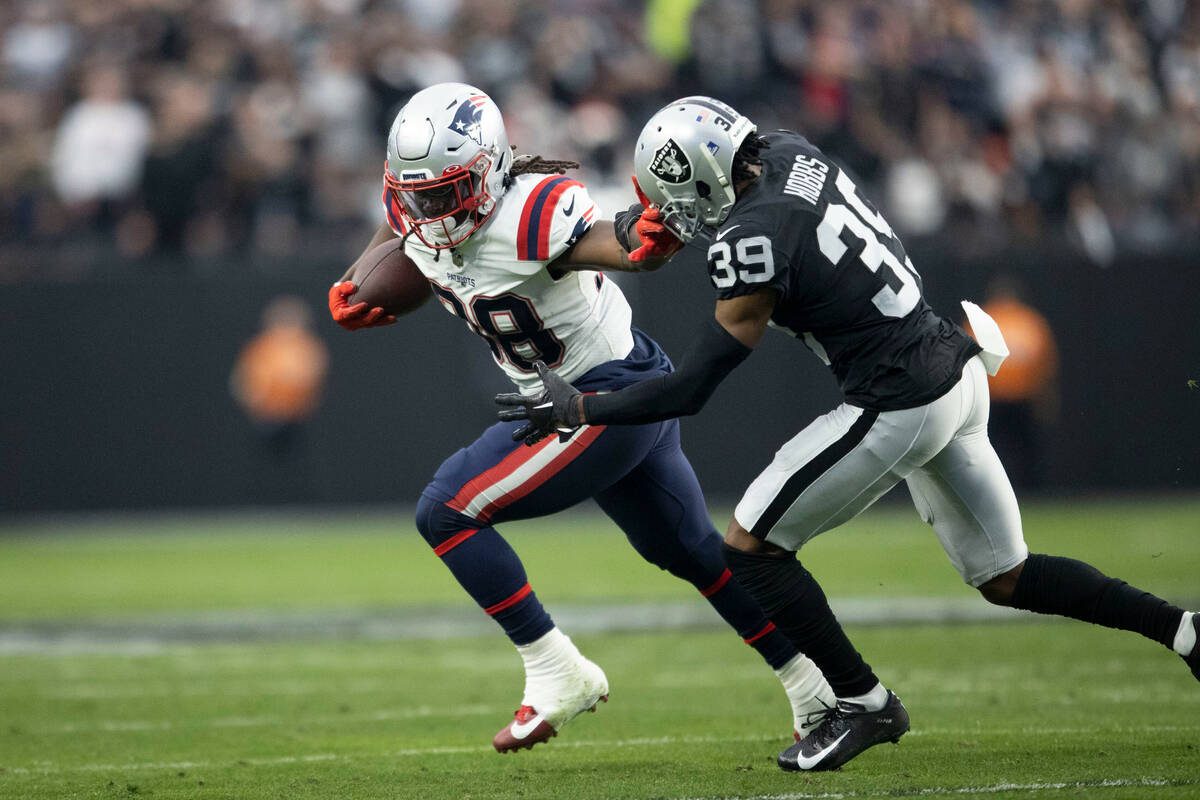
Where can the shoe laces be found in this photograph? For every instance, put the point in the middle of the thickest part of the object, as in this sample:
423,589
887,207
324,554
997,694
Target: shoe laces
524,714
813,717
836,721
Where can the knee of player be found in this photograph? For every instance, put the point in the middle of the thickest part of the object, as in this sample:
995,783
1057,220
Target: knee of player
999,590
739,538
437,522
426,511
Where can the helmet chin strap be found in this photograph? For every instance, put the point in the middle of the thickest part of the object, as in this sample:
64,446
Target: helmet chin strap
443,232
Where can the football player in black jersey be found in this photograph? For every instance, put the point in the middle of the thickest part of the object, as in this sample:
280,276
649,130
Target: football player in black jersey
793,244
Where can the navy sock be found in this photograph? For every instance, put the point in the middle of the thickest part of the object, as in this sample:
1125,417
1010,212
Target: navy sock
487,567
737,607
794,601
1070,588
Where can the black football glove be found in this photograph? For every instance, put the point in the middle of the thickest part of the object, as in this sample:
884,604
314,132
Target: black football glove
555,409
623,222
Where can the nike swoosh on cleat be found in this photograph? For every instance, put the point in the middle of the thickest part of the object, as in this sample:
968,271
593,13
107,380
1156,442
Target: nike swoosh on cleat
808,762
727,230
520,730
570,207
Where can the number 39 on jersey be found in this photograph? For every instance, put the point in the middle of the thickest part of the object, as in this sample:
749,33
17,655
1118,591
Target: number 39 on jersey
850,235
749,260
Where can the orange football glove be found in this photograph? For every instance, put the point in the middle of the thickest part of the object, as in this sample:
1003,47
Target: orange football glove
657,240
354,317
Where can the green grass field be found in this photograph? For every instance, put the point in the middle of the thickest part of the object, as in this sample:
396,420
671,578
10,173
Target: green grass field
1000,709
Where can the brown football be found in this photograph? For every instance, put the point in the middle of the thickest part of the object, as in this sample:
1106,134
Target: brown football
384,276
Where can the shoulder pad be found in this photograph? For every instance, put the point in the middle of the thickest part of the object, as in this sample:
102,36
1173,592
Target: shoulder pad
556,212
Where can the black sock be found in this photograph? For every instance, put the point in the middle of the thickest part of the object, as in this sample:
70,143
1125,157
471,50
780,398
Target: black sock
793,600
1070,588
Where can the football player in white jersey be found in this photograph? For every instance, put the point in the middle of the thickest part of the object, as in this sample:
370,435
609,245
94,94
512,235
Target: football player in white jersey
515,252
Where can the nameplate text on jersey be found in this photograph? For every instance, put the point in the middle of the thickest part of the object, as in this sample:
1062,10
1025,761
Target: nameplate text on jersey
806,178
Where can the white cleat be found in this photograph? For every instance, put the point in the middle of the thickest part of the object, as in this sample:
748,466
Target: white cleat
552,703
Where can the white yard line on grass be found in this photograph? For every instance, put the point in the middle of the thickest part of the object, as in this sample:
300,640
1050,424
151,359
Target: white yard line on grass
425,712
154,634
126,689
48,767
118,726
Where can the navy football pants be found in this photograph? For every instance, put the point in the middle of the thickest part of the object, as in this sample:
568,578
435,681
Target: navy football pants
638,475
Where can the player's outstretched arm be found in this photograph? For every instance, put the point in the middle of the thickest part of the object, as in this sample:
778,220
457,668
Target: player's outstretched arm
722,344
635,241
358,316
599,248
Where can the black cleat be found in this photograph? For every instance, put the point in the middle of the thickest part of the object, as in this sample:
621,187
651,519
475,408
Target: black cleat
1193,658
847,731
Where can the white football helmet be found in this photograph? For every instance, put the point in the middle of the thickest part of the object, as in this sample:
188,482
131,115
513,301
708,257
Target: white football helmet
683,161
447,163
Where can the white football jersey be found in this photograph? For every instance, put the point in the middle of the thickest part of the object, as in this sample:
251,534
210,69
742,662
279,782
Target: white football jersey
497,282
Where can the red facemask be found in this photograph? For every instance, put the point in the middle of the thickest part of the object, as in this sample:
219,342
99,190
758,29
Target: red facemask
436,209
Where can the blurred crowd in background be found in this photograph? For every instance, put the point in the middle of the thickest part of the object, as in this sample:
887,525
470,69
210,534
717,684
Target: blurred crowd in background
190,132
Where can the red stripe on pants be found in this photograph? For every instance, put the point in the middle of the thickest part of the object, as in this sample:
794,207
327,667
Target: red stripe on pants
507,466
573,450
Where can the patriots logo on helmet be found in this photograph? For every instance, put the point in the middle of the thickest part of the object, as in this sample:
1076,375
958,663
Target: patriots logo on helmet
468,119
671,164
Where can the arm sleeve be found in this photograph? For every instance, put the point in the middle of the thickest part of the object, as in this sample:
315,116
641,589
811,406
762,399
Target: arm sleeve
712,356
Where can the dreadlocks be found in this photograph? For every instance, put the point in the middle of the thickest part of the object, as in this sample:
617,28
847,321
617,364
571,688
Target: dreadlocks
747,158
525,165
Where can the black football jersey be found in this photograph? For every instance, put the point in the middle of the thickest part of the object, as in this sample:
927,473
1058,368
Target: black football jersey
846,287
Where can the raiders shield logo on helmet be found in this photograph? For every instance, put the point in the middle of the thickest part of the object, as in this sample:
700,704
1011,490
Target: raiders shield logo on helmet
671,164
